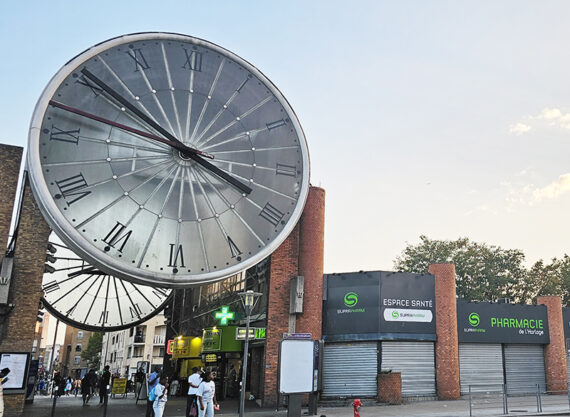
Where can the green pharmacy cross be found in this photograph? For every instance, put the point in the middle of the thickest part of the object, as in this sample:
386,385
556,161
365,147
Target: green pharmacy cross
224,315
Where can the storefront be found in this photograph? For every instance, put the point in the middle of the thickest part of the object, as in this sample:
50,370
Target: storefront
501,344
378,321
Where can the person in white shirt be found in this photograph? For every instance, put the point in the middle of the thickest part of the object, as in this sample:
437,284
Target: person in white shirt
160,397
3,379
207,395
193,384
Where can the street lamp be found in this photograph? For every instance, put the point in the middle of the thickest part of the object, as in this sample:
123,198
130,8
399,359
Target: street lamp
248,299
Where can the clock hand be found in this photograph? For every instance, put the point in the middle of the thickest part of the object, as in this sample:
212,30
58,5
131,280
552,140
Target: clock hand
195,155
89,271
177,145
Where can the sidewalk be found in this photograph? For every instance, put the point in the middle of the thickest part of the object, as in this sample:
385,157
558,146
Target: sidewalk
126,407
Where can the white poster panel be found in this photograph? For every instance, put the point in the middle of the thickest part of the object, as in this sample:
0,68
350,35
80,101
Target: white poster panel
296,366
18,365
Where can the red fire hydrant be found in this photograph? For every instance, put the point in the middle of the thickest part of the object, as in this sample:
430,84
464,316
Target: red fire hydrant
356,404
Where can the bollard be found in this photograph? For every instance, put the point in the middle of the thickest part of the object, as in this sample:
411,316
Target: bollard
539,397
470,409
505,403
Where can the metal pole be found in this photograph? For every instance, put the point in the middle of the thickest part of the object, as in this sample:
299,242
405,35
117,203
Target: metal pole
105,401
539,398
54,400
505,404
52,359
470,408
244,365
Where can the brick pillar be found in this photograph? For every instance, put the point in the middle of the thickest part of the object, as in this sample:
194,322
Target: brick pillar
284,265
10,160
555,352
25,289
446,347
311,258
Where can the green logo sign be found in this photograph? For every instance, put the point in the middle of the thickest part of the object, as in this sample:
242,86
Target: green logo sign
474,319
224,315
395,314
350,299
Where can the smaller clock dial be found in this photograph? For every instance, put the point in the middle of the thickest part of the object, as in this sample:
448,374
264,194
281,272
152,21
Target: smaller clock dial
85,297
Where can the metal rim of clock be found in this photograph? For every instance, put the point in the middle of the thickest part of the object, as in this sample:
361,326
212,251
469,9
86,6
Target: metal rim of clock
83,326
73,238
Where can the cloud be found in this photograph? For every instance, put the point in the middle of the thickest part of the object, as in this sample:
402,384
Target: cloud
519,128
554,189
549,116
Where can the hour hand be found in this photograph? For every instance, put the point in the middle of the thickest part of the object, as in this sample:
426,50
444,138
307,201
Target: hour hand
86,271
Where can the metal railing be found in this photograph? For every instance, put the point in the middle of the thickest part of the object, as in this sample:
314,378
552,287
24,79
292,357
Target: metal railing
485,399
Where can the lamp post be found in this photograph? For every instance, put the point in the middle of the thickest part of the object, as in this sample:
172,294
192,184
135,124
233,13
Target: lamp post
248,299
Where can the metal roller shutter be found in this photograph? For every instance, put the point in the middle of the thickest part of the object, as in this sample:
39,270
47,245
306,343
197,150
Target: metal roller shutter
416,362
481,366
350,370
524,368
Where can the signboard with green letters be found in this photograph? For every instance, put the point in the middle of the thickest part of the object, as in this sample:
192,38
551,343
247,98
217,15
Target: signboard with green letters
501,323
220,339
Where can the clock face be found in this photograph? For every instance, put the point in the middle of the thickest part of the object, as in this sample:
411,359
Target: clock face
88,298
167,160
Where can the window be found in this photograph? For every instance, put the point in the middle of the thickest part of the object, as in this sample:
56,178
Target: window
79,335
78,347
161,352
129,353
131,331
76,360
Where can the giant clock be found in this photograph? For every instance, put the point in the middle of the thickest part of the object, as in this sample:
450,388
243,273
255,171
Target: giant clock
88,298
167,160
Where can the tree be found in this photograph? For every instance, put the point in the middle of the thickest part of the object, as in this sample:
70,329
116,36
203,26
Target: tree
92,353
547,279
484,273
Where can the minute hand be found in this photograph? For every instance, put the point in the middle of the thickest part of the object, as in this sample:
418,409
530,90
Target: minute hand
193,155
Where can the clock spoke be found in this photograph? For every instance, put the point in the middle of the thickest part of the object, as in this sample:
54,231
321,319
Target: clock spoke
74,288
240,117
137,289
94,299
241,219
106,300
192,174
171,87
158,218
206,102
118,300
169,164
128,90
186,138
136,310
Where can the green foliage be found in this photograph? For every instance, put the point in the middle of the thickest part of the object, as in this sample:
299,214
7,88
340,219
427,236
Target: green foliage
484,273
92,353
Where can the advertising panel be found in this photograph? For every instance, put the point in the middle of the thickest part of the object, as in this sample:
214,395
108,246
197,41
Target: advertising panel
407,303
380,305
501,323
352,304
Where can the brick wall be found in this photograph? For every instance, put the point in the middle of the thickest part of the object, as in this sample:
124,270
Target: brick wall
555,352
311,258
25,290
390,388
10,159
284,265
301,254
446,347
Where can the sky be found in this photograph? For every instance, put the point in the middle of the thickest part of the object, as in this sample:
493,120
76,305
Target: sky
440,118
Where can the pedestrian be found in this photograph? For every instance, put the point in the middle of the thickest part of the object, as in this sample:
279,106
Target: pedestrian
160,397
153,379
87,385
3,380
207,395
76,386
68,386
103,383
139,381
193,384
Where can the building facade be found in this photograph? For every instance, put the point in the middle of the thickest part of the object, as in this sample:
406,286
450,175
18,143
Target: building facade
124,350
